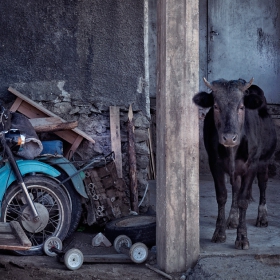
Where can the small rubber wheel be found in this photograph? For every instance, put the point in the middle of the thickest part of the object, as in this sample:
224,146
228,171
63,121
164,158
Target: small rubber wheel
52,242
73,259
122,240
138,252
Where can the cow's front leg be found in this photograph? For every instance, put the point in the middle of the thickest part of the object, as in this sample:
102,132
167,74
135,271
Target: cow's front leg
219,235
242,241
232,221
233,218
244,197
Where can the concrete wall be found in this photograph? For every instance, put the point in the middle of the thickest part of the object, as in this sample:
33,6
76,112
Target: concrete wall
77,58
96,47
205,58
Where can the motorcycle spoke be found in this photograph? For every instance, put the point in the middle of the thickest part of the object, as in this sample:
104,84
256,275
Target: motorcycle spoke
53,222
14,210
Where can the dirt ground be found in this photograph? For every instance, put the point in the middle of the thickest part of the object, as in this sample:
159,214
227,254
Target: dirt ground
216,261
45,267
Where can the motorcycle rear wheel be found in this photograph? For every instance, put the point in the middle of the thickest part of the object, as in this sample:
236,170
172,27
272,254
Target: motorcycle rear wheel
54,209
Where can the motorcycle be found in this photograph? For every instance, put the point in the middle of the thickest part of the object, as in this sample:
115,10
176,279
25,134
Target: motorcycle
43,194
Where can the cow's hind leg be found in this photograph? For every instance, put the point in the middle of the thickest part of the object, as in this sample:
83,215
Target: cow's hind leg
262,182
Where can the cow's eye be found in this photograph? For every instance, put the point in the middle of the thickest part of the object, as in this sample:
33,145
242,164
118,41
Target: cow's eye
216,107
241,107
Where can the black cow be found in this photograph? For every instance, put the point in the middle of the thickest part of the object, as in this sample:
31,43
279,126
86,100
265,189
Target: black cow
240,138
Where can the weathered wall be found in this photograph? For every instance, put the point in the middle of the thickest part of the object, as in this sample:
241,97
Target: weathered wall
96,47
237,68
77,58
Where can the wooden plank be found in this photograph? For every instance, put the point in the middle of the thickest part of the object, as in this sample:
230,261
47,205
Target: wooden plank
16,104
13,247
132,163
67,135
31,102
152,159
20,234
29,111
116,137
45,112
5,228
32,113
12,237
7,237
51,124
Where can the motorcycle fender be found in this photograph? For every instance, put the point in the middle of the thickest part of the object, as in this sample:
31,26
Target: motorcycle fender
7,176
75,176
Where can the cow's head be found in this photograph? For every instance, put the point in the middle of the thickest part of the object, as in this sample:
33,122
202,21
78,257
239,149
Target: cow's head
229,100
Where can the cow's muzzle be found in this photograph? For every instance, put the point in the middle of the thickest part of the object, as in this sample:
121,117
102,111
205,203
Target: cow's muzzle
229,139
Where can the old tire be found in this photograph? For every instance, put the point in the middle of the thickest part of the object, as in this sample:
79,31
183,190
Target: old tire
47,194
140,228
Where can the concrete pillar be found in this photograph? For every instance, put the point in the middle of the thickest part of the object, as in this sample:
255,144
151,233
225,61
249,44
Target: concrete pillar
177,135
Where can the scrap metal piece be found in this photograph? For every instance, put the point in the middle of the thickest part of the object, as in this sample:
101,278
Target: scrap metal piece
100,240
107,194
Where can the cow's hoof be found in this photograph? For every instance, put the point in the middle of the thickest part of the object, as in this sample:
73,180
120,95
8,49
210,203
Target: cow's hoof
261,222
232,223
262,216
218,237
233,219
242,244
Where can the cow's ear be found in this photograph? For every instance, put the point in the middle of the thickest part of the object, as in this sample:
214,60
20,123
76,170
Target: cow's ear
253,101
254,89
204,99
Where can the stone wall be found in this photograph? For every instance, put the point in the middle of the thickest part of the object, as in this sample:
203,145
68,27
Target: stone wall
95,121
77,58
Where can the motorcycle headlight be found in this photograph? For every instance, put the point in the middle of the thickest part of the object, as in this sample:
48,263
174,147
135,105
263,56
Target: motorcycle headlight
21,140
14,138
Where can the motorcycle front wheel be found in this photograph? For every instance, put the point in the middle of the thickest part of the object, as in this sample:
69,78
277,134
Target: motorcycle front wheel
52,205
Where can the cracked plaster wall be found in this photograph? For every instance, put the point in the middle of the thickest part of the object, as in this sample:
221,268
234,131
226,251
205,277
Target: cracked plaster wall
77,58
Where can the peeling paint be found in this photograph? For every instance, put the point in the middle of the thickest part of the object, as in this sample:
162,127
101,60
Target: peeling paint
64,93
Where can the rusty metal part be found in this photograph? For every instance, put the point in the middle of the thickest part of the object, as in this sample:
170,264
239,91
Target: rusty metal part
107,194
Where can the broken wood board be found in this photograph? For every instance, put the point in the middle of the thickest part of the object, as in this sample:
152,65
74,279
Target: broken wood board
12,237
132,162
51,124
32,110
116,137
